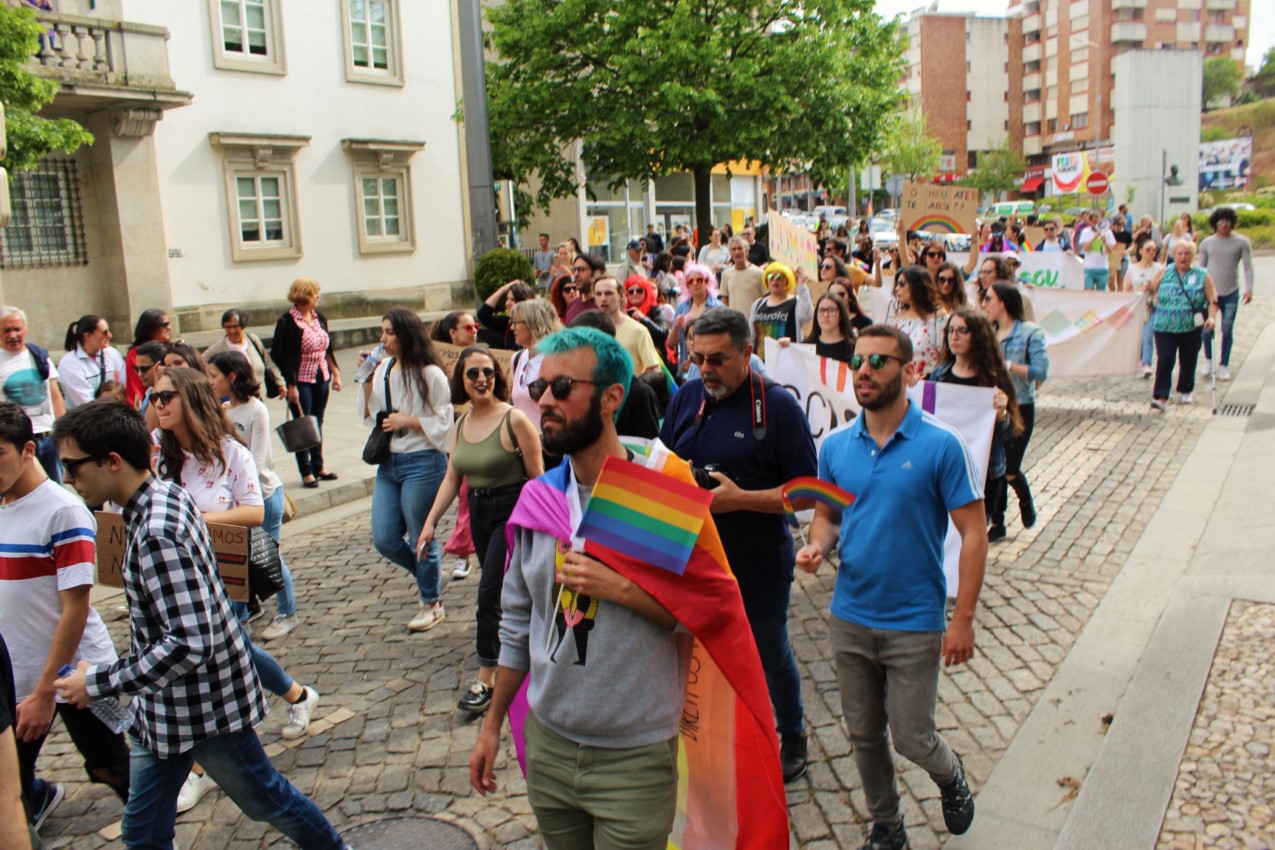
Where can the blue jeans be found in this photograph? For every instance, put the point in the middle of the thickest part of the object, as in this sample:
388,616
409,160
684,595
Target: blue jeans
285,600
237,762
273,677
406,485
766,604
1228,306
46,451
1097,278
312,399
1148,339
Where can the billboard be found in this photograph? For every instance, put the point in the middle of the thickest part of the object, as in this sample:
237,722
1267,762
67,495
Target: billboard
1069,172
1226,164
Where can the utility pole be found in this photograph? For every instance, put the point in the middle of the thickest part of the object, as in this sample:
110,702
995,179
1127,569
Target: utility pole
482,197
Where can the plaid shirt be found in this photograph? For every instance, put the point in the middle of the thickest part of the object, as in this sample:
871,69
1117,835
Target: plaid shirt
314,349
188,670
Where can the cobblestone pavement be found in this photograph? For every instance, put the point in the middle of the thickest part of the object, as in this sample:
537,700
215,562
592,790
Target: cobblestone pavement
389,739
1224,793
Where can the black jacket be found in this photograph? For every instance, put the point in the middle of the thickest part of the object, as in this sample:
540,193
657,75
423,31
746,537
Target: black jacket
285,348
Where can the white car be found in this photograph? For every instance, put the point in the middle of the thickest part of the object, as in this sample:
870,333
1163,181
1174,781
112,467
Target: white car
883,232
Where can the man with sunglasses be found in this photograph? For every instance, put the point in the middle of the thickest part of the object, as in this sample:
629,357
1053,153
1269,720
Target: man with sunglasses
909,473
29,378
751,437
586,268
1056,238
147,365
741,280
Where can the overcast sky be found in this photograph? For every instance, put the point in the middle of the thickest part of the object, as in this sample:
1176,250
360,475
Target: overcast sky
1261,30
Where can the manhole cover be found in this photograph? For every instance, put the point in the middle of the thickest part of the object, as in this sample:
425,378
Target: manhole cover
409,833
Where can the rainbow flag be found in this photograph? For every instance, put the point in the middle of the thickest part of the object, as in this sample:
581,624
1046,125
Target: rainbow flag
807,488
730,791
645,514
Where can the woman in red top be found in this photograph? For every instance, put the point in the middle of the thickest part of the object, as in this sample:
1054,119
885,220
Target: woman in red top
152,326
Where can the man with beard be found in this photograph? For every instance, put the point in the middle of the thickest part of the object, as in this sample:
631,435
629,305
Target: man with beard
608,666
750,436
908,472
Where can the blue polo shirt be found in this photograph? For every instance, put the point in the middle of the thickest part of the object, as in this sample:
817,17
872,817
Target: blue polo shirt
891,574
758,545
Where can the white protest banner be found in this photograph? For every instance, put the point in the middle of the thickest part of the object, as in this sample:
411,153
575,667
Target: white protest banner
1052,269
940,209
1090,334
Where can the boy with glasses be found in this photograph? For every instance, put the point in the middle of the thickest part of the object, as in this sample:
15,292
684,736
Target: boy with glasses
1056,238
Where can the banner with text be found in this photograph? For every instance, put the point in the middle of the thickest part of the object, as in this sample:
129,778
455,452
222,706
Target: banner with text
230,545
1051,269
940,209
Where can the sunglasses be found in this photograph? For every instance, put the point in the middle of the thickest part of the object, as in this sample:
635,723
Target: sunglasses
876,361
70,466
162,398
947,278
142,370
717,361
637,290
827,267
165,324
471,327
568,288
580,269
474,371
935,255
561,387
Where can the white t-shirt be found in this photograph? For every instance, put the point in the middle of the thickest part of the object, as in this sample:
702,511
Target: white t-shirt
46,546
1095,246
436,416
21,384
252,420
216,488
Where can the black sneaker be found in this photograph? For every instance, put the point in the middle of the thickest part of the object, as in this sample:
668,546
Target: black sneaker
792,756
477,700
958,803
886,836
45,797
995,533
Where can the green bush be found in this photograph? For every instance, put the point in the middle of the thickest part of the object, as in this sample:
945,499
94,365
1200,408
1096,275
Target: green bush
498,267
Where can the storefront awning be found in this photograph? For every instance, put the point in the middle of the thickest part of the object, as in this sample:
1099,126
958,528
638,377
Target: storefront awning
1031,185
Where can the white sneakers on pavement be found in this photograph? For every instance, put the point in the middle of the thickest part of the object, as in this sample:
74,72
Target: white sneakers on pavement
1208,368
1223,373
427,617
193,790
461,568
279,626
299,715
1187,398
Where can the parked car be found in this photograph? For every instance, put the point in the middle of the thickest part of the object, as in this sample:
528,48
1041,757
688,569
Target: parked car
829,212
1238,206
883,232
888,213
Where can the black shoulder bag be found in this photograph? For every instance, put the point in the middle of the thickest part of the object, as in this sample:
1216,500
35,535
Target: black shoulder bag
273,390
377,448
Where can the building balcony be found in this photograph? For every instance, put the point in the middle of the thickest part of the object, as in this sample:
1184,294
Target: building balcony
1033,145
1031,53
1031,113
1219,32
1031,23
1119,5
100,63
1031,82
1126,31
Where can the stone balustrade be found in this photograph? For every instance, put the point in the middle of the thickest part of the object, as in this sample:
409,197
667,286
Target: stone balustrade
86,51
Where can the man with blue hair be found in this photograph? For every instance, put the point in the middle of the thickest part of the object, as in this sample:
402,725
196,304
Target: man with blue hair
607,662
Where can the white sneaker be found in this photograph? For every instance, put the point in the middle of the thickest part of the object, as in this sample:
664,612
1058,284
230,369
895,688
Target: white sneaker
427,617
299,715
1223,373
193,790
1187,398
461,568
1158,406
1208,368
280,626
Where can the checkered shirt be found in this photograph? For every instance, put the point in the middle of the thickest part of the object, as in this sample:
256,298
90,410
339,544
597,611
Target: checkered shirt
314,349
189,669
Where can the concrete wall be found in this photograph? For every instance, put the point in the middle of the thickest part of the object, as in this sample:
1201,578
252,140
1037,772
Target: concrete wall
1157,109
987,82
312,99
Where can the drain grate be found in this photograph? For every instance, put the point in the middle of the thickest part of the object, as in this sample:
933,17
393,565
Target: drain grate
1236,410
409,833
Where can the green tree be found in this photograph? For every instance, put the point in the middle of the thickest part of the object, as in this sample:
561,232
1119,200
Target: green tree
999,170
1222,78
24,94
1268,63
650,87
913,152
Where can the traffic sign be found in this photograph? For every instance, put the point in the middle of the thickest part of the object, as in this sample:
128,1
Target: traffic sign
1097,183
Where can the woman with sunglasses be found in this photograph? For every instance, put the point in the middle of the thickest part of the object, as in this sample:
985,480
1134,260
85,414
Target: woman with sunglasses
233,378
495,449
456,328
918,315
699,300
89,362
949,281
562,292
1026,358
972,357
842,288
152,326
785,309
199,450
642,305
419,416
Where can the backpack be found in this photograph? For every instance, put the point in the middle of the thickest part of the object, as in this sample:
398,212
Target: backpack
41,358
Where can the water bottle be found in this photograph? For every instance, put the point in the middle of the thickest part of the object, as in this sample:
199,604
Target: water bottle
368,366
117,716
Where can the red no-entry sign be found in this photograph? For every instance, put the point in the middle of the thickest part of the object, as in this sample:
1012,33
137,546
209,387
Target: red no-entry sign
1097,183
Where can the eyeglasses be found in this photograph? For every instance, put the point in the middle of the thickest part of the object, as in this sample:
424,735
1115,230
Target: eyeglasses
162,398
513,322
636,290
223,327
827,267
571,287
561,387
142,370
70,466
471,327
876,361
580,269
486,371
165,324
956,330
828,311
717,361
947,278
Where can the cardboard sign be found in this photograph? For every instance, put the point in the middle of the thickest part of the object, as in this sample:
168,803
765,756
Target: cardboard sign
940,209
794,246
449,354
230,544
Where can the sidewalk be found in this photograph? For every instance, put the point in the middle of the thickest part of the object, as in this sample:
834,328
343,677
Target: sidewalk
1199,574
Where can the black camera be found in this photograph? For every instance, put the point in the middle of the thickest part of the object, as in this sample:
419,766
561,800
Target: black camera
702,477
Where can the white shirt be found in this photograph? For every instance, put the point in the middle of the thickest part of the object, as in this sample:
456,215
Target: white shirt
436,415
217,488
252,420
20,383
1095,246
46,546
81,375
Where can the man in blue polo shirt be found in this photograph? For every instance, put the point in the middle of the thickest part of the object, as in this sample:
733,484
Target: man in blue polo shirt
908,472
750,436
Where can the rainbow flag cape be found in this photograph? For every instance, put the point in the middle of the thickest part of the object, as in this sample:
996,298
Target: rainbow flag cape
808,488
730,791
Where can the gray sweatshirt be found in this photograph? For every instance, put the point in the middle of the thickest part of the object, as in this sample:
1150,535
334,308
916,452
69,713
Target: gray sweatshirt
1222,258
616,680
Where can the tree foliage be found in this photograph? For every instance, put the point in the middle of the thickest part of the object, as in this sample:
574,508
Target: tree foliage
24,94
1222,78
1268,63
913,152
652,87
999,170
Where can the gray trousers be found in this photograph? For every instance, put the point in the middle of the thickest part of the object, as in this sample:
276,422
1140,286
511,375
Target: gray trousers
889,684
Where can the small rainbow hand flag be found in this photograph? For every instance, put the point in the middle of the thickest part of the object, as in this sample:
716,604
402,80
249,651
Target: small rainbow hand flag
810,489
645,515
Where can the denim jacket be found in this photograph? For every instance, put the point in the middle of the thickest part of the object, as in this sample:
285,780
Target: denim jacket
1026,344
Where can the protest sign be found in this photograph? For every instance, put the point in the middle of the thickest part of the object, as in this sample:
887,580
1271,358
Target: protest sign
1049,269
448,354
940,209
230,545
795,247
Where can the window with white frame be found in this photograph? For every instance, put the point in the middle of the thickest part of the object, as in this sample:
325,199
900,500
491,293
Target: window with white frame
383,194
261,194
248,35
46,227
373,43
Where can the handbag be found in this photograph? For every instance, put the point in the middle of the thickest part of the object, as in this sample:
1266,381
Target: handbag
273,388
265,567
1200,315
300,433
289,508
377,448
